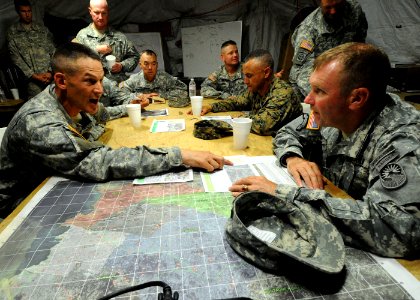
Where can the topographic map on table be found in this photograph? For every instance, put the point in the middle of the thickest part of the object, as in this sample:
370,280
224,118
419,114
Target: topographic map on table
85,240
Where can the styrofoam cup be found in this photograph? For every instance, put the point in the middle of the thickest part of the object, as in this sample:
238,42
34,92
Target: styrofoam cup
196,104
134,113
110,61
15,93
241,130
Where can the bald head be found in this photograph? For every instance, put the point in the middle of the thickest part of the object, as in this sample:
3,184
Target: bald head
98,10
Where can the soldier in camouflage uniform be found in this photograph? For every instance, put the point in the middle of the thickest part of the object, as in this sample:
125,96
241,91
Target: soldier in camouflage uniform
115,99
331,24
31,47
271,101
43,138
368,145
227,81
150,81
106,41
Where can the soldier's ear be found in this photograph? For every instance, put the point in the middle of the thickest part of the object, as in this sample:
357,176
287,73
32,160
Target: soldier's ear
60,80
358,98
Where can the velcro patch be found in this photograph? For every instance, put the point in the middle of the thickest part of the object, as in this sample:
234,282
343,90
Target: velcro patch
392,176
308,45
212,77
312,125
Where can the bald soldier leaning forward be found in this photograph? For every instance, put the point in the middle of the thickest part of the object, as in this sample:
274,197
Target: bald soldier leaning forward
43,139
368,145
271,101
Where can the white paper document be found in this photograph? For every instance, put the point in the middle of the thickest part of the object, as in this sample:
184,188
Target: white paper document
167,125
244,166
227,119
183,176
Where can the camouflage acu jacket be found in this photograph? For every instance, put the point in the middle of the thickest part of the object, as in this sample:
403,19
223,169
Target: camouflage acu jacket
314,36
220,85
115,99
122,48
42,140
278,107
378,165
31,50
164,84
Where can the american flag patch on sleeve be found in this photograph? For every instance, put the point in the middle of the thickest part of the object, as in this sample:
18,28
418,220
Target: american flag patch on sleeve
308,45
311,122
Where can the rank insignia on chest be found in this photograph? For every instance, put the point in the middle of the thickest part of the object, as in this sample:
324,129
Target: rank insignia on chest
392,176
311,124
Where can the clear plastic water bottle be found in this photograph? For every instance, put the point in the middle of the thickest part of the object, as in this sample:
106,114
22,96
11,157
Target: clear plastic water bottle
192,88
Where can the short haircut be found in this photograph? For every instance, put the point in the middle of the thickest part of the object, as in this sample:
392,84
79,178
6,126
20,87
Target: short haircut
19,3
66,55
148,52
364,65
228,43
263,56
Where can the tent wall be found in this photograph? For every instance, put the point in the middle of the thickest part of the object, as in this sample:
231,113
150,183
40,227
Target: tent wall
393,25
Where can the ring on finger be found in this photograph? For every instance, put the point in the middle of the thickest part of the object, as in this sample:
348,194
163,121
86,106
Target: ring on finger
244,188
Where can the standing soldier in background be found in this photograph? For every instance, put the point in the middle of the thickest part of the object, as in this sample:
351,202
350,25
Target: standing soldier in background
106,41
31,48
335,22
227,81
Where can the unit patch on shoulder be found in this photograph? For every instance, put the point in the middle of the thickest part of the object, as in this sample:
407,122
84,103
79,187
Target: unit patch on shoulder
212,77
392,176
308,45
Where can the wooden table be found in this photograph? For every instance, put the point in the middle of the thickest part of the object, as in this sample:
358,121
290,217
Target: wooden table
120,133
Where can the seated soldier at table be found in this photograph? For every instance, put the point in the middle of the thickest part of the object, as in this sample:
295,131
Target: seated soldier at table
227,81
151,82
43,140
271,101
368,145
115,99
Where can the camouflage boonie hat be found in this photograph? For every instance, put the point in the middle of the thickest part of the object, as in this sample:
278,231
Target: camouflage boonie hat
212,129
267,230
178,102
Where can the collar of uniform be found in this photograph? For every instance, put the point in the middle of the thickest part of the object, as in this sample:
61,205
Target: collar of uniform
94,33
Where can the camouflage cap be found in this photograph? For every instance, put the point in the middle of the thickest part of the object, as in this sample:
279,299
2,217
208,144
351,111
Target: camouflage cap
178,102
212,129
267,230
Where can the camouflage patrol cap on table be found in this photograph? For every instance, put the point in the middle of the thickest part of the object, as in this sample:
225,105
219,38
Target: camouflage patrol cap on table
285,230
178,102
212,129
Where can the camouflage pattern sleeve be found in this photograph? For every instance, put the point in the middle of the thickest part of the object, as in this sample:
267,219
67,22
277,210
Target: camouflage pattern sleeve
278,107
30,50
130,55
379,166
209,87
171,87
242,102
113,95
303,43
131,84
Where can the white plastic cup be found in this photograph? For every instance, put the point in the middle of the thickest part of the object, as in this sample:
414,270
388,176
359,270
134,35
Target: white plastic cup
110,61
134,113
15,93
241,130
196,104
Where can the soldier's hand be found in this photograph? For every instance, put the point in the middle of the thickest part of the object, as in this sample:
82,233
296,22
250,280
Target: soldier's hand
253,183
143,101
204,160
104,49
204,110
309,171
116,68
